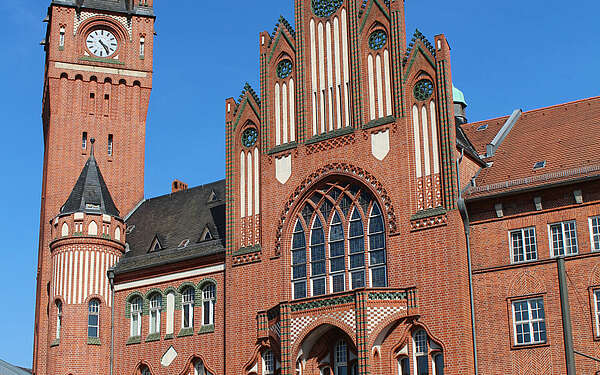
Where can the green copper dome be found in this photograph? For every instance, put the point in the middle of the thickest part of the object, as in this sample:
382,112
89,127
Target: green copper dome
458,96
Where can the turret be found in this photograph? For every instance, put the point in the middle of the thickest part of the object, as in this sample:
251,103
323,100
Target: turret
88,238
460,106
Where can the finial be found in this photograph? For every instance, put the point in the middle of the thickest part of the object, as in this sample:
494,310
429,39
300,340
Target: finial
92,141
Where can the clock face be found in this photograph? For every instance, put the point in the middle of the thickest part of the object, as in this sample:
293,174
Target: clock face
102,43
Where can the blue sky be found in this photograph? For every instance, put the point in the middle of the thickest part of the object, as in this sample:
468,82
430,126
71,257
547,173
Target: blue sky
505,55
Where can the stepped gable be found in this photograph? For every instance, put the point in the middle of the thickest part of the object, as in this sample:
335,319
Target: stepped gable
175,218
90,194
564,136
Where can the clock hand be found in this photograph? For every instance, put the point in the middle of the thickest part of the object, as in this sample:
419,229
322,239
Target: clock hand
105,47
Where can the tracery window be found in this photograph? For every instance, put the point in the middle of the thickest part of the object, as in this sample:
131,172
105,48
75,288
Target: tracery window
330,251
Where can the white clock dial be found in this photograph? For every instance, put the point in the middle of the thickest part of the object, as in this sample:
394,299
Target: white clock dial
102,43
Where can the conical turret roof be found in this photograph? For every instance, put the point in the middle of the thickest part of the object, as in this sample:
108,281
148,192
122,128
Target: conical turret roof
90,194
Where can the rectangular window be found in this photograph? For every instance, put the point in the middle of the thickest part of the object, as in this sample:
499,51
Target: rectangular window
84,140
529,321
563,239
110,145
595,233
597,310
318,287
61,42
142,47
523,245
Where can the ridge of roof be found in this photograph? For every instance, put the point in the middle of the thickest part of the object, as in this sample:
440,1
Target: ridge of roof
181,192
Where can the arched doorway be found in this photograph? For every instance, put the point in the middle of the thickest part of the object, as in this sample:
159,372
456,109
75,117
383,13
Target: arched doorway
327,350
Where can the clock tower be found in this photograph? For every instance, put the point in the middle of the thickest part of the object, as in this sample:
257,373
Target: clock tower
97,84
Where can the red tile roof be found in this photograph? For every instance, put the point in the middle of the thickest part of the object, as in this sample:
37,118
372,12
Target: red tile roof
566,136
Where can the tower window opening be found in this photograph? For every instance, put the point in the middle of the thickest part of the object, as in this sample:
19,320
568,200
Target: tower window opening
93,318
92,95
61,42
110,145
58,319
84,140
106,96
142,47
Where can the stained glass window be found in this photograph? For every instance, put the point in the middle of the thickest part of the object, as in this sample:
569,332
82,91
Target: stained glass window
325,8
284,68
423,90
249,137
345,247
377,39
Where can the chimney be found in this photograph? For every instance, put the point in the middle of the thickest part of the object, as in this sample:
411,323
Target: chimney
178,186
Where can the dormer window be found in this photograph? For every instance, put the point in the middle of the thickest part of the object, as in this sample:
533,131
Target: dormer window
206,235
213,197
183,244
156,245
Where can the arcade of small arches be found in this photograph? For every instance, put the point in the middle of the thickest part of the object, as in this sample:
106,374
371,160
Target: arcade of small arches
93,78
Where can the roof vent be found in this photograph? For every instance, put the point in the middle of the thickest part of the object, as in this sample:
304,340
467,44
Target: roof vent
129,229
178,186
539,165
183,244
482,127
213,197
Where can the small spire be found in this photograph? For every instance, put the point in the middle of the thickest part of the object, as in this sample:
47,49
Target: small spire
92,141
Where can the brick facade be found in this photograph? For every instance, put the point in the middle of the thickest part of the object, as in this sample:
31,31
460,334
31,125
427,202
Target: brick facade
351,152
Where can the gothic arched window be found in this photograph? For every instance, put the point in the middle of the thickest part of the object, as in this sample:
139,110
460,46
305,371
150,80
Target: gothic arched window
343,226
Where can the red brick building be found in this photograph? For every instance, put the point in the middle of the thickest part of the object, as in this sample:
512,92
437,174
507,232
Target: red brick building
363,227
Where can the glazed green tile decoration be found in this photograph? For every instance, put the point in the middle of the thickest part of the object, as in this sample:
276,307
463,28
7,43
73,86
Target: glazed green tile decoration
325,8
377,39
249,137
423,90
284,68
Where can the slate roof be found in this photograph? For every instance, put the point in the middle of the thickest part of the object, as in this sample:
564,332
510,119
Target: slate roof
174,218
565,136
90,193
120,6
8,369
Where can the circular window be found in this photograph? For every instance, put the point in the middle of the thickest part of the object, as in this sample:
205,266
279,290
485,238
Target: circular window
377,39
284,68
325,8
249,137
423,90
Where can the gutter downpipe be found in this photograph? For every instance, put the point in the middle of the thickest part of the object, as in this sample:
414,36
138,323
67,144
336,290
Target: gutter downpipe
111,278
566,316
462,208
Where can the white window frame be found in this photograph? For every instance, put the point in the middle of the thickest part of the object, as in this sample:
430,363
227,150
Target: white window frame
564,239
191,308
135,311
591,227
597,311
96,312
530,321
522,231
374,267
209,296
154,307
341,348
268,363
400,359
418,354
